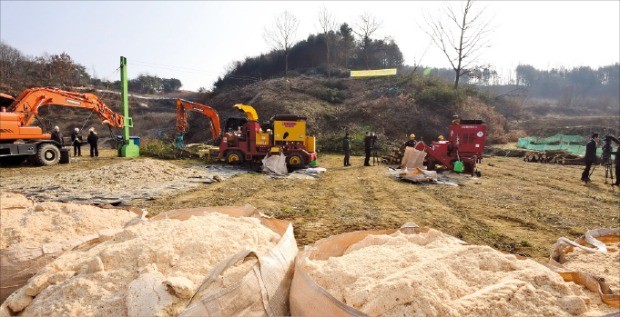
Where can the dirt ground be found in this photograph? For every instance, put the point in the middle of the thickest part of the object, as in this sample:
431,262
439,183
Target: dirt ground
518,207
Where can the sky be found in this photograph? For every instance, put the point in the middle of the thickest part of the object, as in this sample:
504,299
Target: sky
197,41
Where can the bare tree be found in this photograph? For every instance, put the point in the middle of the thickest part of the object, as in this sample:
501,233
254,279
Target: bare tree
282,34
460,36
327,25
366,26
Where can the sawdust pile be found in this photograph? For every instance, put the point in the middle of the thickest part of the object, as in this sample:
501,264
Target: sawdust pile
605,265
129,179
433,274
30,224
150,269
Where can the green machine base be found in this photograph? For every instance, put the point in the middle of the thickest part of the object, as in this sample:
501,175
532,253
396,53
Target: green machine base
130,150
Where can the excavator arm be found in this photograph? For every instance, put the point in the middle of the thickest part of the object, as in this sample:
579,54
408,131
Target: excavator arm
26,106
183,106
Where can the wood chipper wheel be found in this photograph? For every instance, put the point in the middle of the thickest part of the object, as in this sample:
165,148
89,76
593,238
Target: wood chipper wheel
294,161
469,168
234,157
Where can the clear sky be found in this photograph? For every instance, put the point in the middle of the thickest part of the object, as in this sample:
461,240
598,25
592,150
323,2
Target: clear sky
196,41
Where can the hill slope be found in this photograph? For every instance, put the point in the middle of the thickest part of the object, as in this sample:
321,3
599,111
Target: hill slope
393,107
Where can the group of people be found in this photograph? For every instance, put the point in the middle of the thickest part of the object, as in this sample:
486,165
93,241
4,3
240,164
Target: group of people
370,141
369,146
77,140
591,158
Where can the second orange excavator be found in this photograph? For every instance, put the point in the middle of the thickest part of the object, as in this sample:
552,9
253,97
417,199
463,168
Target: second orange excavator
19,141
182,107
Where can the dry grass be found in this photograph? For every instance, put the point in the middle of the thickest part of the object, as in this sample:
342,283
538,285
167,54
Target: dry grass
515,206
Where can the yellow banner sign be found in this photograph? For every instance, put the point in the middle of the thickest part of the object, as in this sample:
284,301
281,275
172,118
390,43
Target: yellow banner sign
373,72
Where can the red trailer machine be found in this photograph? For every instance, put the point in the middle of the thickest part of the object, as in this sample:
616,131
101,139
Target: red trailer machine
465,144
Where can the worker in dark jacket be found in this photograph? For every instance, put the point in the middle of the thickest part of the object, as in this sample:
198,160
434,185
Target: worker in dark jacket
617,159
590,157
57,136
367,148
617,140
411,142
346,146
93,140
76,140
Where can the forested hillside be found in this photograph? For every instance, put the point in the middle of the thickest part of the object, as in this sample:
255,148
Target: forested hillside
19,72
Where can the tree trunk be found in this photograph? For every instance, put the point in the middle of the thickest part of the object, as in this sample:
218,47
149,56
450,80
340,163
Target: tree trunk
286,63
456,80
329,73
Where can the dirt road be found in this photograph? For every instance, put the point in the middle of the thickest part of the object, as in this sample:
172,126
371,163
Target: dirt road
515,206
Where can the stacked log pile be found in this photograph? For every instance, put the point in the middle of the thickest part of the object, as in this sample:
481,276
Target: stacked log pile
554,157
393,157
493,151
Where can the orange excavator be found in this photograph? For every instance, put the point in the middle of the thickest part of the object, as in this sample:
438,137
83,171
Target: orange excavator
19,141
182,107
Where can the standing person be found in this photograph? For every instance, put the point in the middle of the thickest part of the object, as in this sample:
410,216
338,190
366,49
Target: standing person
346,146
367,148
374,147
590,157
92,139
76,140
373,140
57,136
617,160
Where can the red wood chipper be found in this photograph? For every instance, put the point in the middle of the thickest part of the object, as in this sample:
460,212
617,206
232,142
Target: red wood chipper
463,149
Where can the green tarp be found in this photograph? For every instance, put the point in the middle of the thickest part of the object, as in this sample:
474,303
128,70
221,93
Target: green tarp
574,144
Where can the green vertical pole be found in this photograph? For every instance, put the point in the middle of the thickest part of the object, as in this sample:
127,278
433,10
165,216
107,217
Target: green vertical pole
129,149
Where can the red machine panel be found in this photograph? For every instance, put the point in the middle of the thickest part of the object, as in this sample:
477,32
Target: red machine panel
469,136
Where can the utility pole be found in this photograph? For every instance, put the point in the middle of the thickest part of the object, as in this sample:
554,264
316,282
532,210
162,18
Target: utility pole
129,149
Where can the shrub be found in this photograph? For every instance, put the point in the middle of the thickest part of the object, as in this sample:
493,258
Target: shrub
334,84
333,95
436,95
160,149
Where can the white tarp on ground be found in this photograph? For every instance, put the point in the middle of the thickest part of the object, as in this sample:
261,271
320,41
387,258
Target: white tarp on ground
412,158
275,164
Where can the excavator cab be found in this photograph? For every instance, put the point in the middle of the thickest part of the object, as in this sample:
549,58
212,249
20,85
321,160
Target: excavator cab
6,100
232,124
